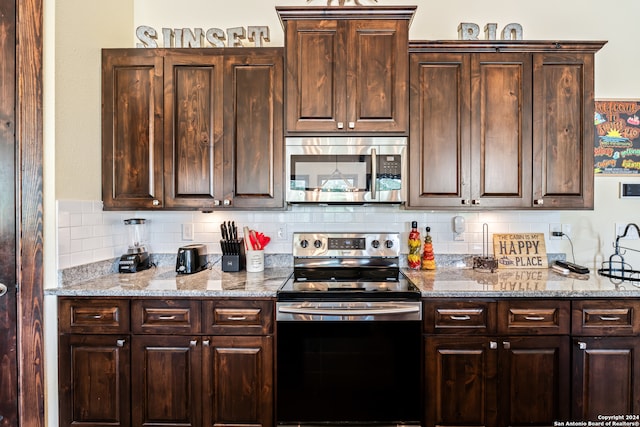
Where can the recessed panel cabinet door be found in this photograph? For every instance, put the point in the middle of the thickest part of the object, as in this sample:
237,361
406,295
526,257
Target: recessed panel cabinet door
94,380
563,130
193,130
238,375
132,129
166,381
501,130
253,138
439,137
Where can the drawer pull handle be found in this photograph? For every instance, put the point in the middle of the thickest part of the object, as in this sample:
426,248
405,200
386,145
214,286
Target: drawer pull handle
461,318
237,318
120,343
609,318
93,316
534,318
165,317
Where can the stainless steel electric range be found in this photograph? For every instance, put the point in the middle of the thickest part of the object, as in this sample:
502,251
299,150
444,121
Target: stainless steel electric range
349,333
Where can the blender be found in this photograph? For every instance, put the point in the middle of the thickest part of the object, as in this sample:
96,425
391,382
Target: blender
137,257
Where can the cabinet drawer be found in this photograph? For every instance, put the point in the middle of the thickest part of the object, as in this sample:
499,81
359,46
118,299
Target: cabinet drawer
459,317
234,316
93,316
165,316
534,317
606,317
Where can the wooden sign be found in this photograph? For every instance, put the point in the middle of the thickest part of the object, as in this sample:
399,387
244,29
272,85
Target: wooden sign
520,250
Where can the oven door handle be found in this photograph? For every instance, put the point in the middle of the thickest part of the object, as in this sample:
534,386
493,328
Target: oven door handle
329,311
374,173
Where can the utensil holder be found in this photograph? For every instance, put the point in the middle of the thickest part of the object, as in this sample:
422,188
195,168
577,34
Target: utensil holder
255,261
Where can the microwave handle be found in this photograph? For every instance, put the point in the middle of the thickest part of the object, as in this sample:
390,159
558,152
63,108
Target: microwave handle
374,173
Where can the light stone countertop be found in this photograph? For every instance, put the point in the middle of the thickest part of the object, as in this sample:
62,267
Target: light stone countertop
440,283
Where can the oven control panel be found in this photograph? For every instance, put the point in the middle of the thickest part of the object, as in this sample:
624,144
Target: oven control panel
346,244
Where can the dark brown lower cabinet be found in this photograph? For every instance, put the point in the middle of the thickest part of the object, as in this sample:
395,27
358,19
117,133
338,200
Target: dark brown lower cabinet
606,377
496,381
94,380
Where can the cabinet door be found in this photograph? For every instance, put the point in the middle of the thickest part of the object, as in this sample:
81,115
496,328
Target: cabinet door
94,380
534,380
377,76
501,130
238,373
193,156
254,149
439,139
132,113
460,381
166,381
605,377
563,130
315,78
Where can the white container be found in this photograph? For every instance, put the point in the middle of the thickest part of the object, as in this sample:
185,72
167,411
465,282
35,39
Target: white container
255,261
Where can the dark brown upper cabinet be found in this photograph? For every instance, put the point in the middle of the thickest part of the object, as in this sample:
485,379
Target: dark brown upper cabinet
206,130
501,124
347,69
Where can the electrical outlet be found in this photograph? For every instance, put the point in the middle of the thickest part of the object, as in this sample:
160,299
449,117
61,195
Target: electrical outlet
187,231
566,229
632,234
555,228
282,232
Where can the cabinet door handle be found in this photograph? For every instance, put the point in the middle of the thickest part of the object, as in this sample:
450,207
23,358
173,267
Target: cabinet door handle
193,343
534,318
493,345
475,202
352,125
464,201
226,202
205,343
582,345
506,344
237,318
120,343
156,202
539,202
461,318
340,125
3,289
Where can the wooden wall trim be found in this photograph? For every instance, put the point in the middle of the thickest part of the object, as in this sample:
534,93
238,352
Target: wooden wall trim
29,140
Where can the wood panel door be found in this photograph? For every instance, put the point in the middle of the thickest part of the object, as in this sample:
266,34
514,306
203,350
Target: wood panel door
253,137
563,130
439,147
193,145
94,375
501,138
606,377
132,111
166,381
238,375
8,239
315,79
534,380
460,379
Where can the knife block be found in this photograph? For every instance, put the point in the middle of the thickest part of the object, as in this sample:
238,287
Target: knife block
232,263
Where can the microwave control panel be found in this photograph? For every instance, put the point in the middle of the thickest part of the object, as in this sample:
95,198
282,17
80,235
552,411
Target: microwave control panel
390,166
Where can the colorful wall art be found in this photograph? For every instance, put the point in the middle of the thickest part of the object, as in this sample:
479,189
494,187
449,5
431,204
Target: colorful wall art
617,137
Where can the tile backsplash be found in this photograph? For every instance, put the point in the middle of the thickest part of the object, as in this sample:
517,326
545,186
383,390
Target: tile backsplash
87,234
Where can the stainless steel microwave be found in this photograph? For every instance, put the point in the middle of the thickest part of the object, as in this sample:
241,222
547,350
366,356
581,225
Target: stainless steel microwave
346,170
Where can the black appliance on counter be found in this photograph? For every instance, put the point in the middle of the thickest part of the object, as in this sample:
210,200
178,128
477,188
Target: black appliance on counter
349,334
137,256
191,259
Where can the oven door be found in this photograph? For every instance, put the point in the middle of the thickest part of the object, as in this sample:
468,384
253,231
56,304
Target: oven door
359,365
345,170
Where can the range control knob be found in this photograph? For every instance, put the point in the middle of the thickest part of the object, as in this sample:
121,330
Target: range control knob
388,244
317,244
304,243
375,244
